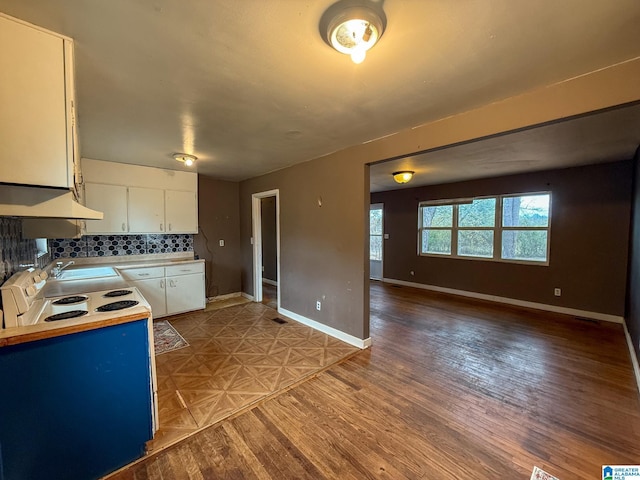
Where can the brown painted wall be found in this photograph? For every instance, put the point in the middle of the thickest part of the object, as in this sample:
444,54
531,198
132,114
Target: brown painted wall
590,216
321,256
219,219
326,253
269,243
633,297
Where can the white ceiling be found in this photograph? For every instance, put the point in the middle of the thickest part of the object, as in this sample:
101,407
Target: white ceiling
249,86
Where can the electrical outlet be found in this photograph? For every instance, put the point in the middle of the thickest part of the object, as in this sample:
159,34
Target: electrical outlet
412,273
221,243
318,305
557,292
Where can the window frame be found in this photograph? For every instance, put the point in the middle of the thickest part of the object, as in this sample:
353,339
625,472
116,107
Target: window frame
497,229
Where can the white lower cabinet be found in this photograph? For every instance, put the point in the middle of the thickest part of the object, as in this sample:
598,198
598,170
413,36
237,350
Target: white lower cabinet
184,293
154,292
170,290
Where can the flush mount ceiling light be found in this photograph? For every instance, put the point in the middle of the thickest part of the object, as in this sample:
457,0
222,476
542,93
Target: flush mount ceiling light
185,158
403,176
352,27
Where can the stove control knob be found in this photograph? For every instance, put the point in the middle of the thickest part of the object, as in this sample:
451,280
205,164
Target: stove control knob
36,278
31,291
44,275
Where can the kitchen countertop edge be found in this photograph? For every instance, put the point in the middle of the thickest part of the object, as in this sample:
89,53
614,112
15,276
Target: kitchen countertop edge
34,333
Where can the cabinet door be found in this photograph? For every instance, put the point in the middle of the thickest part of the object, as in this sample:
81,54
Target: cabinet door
181,211
33,117
185,293
153,291
146,210
112,201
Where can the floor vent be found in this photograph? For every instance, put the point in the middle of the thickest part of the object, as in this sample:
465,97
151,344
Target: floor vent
279,320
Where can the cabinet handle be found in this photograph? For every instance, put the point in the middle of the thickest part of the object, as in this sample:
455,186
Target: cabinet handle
172,283
144,274
124,227
161,228
161,283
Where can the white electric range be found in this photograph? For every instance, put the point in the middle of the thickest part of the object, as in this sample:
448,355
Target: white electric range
25,302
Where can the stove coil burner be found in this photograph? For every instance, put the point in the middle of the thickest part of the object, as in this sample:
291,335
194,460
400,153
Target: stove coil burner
117,293
71,300
66,315
122,304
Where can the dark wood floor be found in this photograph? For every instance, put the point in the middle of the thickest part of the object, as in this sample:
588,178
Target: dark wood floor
451,389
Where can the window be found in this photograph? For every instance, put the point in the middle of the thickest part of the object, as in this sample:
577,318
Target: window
41,247
525,227
375,234
512,228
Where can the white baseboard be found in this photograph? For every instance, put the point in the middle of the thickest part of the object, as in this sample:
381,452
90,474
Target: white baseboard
269,282
217,298
634,357
511,301
247,296
333,332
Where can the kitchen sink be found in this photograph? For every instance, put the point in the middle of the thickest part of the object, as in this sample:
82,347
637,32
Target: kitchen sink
88,272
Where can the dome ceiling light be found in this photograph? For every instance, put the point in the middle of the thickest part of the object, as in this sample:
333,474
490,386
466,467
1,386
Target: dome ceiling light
353,27
403,176
185,158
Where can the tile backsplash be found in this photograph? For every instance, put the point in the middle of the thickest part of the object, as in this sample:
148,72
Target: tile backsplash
16,251
119,245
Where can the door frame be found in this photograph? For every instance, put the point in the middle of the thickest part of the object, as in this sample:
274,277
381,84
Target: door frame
256,215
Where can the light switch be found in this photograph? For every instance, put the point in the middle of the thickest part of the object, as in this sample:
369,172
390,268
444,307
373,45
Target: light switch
386,236
221,243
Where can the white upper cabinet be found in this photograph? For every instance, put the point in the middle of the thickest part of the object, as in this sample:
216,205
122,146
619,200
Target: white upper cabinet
146,210
140,199
181,211
36,99
112,201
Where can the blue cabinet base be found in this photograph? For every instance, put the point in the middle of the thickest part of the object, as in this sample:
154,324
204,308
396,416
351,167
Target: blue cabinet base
76,406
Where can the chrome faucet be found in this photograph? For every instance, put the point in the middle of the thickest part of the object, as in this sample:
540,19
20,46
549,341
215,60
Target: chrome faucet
57,270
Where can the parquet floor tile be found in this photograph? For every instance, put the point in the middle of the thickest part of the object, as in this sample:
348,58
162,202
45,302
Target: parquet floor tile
236,356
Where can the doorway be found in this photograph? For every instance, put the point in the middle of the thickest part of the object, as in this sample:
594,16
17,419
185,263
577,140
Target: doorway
266,248
376,244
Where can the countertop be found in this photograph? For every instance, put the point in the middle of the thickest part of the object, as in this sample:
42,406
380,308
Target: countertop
41,331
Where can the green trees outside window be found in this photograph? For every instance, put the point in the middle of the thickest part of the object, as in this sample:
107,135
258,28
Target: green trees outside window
505,227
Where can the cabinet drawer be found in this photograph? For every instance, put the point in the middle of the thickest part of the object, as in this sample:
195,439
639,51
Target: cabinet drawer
185,269
142,273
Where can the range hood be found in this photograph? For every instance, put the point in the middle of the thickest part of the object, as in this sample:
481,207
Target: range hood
42,202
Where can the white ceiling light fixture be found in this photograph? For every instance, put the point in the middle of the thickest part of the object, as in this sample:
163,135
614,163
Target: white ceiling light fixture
185,158
352,27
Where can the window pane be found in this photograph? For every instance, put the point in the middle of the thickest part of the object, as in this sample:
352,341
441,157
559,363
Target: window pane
526,211
375,247
440,216
524,245
436,241
375,221
475,243
480,213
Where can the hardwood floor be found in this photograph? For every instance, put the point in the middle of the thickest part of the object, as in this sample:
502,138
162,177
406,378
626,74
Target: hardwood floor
451,389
